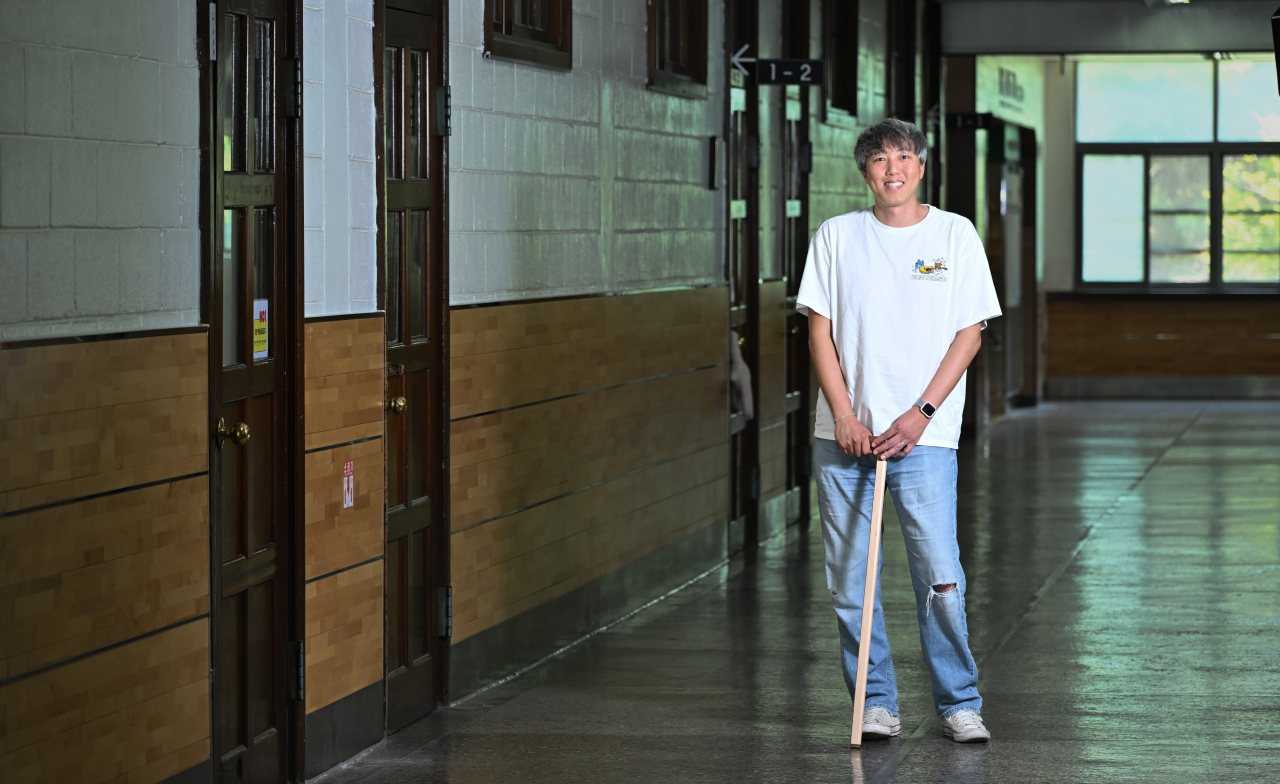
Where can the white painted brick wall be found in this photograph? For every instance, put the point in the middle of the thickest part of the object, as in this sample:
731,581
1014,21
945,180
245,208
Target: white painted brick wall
836,186
99,169
339,198
582,182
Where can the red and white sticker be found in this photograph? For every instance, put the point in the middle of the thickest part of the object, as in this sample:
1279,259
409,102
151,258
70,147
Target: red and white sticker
348,484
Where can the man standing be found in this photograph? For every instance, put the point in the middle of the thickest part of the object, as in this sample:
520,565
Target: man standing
897,296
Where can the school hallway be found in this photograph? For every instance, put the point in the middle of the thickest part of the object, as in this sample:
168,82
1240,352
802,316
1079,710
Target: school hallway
1121,560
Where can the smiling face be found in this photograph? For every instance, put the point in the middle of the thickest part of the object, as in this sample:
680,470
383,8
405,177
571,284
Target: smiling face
894,176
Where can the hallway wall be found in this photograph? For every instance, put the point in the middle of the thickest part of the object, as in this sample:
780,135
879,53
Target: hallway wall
580,182
99,168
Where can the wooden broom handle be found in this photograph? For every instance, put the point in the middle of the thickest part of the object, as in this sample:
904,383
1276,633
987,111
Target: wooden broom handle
868,604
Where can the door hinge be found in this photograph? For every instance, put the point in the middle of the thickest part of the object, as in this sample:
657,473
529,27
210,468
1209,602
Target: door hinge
444,611
297,665
444,111
293,96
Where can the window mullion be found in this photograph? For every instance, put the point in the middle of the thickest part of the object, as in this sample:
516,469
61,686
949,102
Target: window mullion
1215,215
1146,218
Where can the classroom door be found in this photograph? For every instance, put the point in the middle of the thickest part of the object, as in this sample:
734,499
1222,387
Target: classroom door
252,341
416,577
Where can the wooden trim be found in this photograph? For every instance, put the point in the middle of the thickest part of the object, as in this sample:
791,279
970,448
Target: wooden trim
346,316
568,297
91,496
345,569
63,341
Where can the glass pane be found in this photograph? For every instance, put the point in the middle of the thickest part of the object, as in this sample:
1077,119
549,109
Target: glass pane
263,247
264,62
1248,104
233,93
394,220
231,288
392,102
1180,183
1179,267
1251,231
1179,233
1113,246
1251,267
417,276
1250,183
418,115
1144,101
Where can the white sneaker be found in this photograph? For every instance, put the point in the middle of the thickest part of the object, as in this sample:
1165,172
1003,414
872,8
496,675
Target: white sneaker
878,723
965,727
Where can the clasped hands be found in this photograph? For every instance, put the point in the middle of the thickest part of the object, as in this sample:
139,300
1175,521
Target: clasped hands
855,439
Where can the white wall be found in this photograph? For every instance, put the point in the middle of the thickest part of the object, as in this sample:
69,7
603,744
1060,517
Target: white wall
581,182
339,176
99,167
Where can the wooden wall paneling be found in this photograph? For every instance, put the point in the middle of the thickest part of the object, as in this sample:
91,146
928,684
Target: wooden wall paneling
518,354
343,386
512,564
136,713
1174,336
505,461
773,389
343,634
337,537
773,317
82,576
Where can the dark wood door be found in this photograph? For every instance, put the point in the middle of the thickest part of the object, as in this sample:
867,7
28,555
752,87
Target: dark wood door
251,348
415,306
742,268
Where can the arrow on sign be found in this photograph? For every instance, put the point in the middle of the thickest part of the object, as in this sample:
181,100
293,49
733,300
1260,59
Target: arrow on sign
737,60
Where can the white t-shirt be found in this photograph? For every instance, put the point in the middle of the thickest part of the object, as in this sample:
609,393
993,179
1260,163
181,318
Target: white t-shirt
896,299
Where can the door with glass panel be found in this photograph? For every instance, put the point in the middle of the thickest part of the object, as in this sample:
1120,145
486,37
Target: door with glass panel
413,287
251,346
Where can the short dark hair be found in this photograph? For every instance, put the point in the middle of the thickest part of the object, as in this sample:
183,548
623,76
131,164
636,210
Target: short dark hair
888,135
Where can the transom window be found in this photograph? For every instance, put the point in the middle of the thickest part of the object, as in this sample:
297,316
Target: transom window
1179,172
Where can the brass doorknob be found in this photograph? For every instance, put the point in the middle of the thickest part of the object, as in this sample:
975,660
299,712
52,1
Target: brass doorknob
239,433
397,404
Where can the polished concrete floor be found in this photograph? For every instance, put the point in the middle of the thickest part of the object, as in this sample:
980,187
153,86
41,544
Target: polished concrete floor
1124,604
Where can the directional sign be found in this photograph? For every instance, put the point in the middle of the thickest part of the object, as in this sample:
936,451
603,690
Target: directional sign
806,72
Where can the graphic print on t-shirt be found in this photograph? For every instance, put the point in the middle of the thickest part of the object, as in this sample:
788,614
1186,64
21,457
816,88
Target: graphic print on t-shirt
934,270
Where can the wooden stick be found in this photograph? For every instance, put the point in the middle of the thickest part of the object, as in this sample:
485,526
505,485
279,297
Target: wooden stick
868,604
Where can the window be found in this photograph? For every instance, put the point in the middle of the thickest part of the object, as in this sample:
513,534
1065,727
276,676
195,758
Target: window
840,50
678,47
1179,171
536,32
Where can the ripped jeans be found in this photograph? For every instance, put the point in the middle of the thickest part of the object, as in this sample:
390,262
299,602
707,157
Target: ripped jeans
923,487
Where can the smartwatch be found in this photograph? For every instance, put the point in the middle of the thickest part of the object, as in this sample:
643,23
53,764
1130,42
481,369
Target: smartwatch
928,409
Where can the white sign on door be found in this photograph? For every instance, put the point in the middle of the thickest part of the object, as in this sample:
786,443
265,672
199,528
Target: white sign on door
349,484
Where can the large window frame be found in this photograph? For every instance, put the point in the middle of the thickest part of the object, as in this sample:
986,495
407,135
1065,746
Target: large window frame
547,42
1215,151
679,25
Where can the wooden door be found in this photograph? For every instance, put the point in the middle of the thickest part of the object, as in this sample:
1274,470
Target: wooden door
413,284
252,345
742,268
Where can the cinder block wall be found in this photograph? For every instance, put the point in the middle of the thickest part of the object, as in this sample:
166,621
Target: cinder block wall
582,182
99,168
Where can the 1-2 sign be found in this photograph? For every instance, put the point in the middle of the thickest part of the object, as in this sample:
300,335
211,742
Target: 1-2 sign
806,72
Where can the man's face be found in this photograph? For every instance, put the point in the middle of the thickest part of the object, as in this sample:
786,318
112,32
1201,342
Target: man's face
894,176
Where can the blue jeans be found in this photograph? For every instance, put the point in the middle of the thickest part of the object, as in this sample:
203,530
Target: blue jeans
923,486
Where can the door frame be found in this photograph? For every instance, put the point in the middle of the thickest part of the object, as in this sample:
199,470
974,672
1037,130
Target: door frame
288,353
438,63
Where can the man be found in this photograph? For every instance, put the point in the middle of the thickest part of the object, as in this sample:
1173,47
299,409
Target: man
897,296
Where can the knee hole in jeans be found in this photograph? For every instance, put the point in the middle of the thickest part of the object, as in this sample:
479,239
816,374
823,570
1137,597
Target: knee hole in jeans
944,589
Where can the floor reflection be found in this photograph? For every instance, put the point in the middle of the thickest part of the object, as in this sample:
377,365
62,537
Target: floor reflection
1122,562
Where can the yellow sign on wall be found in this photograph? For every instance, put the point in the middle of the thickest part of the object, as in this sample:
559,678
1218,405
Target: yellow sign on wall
260,309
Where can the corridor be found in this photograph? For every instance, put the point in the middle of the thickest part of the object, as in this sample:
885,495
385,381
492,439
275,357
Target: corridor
1122,562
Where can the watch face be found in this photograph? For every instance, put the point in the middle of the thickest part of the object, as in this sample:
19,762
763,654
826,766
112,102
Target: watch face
928,409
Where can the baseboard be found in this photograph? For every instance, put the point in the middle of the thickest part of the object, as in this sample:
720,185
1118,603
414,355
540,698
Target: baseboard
344,728
1162,387
516,643
196,774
